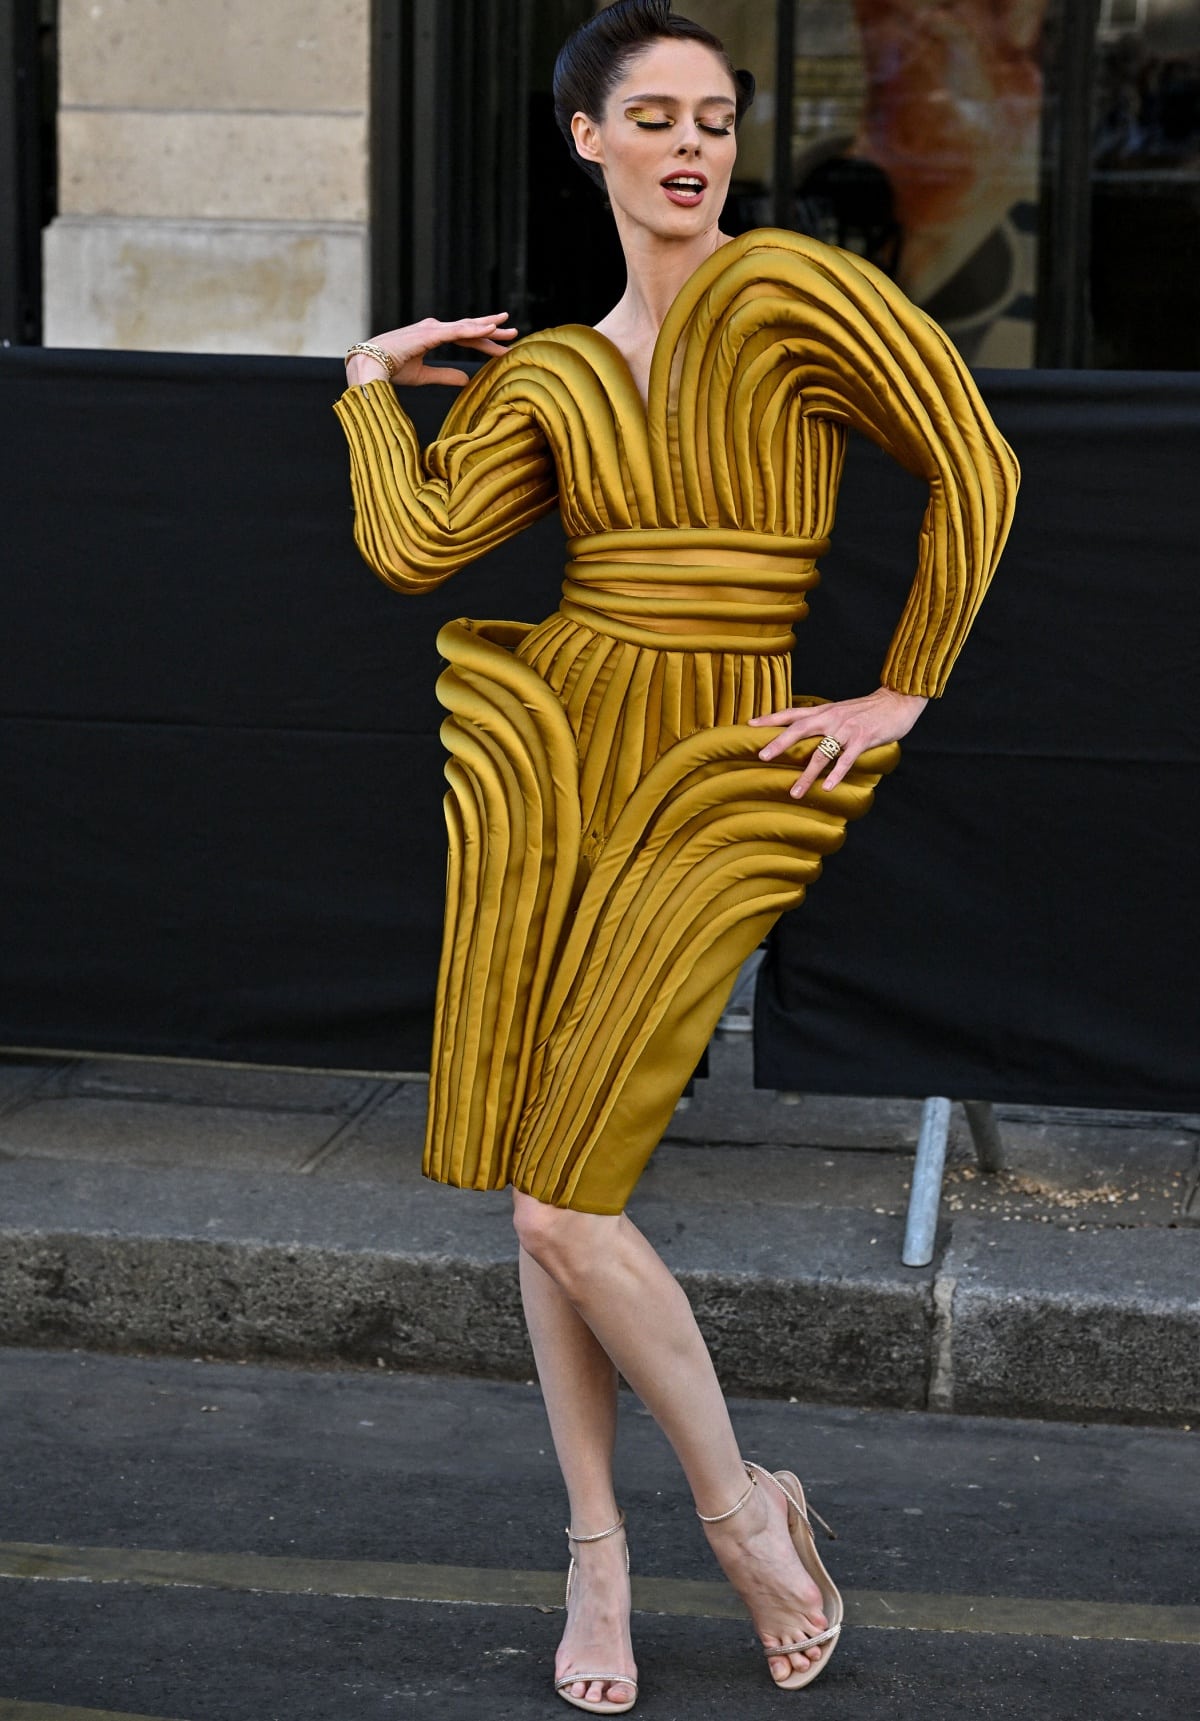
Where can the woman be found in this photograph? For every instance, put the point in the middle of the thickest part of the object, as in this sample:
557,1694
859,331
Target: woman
621,835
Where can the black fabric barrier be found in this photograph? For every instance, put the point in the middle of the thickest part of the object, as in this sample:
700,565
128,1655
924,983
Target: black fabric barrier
220,777
1015,918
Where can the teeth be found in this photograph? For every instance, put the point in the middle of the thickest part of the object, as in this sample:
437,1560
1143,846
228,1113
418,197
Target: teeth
686,184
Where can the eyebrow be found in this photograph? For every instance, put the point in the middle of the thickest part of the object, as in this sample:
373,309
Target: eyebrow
704,102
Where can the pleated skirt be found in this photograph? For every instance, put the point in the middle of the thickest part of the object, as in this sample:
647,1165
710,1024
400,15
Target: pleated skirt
616,850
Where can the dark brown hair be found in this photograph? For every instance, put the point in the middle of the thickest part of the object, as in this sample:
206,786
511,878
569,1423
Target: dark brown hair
593,59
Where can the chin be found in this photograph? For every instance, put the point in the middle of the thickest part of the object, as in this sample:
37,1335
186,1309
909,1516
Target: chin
676,223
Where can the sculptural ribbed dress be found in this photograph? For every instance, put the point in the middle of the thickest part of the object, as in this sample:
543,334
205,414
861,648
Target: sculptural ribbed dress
617,848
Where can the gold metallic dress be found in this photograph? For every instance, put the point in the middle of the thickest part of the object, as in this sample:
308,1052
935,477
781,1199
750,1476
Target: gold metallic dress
617,848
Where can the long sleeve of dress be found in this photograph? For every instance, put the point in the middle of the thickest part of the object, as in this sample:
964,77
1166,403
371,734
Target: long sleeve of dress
903,384
419,517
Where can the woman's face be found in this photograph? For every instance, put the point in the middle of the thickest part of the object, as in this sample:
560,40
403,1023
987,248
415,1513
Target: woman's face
666,142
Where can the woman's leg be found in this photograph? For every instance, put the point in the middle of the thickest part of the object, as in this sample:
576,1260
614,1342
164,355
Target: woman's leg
579,1385
613,1281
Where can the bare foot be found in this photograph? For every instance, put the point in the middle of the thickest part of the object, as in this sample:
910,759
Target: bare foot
597,1639
756,1554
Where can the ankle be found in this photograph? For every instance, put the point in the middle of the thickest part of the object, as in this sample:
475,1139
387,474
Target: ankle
740,1491
591,1526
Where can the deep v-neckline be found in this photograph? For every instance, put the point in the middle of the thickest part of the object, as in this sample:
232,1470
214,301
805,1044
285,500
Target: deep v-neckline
644,402
626,368
625,364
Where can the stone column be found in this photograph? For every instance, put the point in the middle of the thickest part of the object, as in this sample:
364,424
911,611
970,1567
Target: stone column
212,176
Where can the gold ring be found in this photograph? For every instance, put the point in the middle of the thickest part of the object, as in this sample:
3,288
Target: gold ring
829,746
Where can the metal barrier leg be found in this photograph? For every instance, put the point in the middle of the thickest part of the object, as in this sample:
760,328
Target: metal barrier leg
926,1195
989,1148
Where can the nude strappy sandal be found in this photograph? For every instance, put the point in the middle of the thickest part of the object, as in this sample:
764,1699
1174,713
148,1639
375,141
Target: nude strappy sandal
800,1530
604,1706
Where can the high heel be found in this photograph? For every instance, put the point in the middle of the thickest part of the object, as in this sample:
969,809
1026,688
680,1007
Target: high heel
605,1706
799,1515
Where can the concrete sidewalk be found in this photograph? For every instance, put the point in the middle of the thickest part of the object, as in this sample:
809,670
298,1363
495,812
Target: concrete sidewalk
237,1212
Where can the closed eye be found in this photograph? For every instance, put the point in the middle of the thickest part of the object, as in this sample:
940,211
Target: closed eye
662,125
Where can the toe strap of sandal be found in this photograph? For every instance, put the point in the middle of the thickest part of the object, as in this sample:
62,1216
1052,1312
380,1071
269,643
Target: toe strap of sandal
804,1643
595,1679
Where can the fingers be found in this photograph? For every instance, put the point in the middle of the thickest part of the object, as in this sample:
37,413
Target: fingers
813,770
474,325
448,375
809,723
409,346
818,762
792,713
841,767
798,726
485,346
487,333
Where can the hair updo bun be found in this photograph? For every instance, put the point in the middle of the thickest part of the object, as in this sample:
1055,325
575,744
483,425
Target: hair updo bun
593,59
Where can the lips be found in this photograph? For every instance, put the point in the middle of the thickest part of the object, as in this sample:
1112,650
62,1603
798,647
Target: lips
685,188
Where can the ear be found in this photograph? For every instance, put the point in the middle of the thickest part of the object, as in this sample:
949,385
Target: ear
586,134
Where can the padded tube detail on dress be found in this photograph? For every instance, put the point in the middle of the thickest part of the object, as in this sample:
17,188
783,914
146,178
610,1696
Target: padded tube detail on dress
682,588
580,981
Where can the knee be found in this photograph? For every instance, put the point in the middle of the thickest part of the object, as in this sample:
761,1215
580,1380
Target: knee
561,1241
540,1228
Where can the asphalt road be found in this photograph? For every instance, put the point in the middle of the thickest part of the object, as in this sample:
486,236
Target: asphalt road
213,1542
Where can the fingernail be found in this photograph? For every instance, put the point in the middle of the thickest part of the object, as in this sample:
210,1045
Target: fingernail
767,753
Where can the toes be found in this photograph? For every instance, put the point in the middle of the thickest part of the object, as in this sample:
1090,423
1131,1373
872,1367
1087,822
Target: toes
783,1666
594,1691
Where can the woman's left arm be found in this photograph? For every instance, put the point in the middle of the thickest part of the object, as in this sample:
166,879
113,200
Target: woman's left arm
894,375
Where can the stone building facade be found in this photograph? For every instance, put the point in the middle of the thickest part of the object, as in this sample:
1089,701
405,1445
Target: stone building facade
212,176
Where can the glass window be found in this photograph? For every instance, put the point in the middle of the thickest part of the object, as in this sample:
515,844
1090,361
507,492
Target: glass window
916,142
1145,214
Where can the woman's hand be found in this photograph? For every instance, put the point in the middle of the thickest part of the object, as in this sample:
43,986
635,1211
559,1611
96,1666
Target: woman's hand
884,715
409,346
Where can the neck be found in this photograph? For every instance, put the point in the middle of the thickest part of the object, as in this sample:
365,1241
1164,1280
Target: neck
655,270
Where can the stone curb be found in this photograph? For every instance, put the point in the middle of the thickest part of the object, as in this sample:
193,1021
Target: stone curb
811,1304
1099,1325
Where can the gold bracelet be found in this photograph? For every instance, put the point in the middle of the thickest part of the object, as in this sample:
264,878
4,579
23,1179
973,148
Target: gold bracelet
374,351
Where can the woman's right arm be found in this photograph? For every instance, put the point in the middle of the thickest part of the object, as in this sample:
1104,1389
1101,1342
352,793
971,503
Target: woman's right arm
419,516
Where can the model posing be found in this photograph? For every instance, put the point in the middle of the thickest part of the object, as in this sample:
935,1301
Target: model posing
621,837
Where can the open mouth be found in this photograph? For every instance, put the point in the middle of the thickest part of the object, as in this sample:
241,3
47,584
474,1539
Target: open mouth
686,188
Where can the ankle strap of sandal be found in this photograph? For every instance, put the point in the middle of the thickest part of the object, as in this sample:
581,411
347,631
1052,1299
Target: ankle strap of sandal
720,1517
600,1536
754,1471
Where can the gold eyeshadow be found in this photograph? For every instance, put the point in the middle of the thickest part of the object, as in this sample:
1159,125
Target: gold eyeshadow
650,116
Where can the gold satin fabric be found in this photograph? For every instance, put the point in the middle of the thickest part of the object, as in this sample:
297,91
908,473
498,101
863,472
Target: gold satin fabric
616,846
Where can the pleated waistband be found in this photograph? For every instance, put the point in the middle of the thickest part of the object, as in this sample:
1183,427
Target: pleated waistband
692,589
